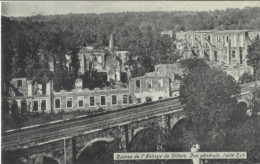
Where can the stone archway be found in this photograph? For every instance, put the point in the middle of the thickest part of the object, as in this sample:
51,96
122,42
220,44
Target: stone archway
135,131
97,151
176,135
243,108
9,157
48,160
244,101
179,122
175,120
144,139
45,158
106,139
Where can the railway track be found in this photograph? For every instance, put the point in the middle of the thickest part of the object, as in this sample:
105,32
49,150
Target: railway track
37,135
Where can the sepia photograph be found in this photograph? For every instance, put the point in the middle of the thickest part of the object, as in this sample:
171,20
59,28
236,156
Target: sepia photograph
130,82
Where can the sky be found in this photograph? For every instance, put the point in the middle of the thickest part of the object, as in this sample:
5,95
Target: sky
65,7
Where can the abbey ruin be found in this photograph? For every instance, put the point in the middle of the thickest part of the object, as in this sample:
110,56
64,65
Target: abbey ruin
227,49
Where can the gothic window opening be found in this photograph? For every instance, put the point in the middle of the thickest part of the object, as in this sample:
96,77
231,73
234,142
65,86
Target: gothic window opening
241,59
240,55
233,54
216,55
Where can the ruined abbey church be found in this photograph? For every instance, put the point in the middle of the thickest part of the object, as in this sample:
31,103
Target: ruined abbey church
227,49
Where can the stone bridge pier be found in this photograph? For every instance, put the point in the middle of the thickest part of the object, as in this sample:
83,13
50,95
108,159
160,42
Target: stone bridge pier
68,149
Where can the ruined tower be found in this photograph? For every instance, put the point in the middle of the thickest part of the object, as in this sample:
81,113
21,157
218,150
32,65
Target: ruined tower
111,42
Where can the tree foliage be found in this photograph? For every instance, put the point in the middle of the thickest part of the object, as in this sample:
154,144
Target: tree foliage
216,122
254,56
139,33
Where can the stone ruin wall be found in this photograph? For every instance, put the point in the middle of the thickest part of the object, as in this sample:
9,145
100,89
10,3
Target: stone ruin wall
227,47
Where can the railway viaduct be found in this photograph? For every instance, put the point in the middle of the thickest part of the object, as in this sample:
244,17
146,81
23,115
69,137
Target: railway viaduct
64,141
247,95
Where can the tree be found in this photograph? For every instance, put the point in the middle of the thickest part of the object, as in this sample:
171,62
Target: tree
59,77
216,122
191,64
209,97
74,63
254,56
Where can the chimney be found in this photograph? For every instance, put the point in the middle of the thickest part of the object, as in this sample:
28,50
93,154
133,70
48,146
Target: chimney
48,88
111,42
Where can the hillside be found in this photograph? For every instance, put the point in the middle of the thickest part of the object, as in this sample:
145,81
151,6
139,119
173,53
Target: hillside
139,32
